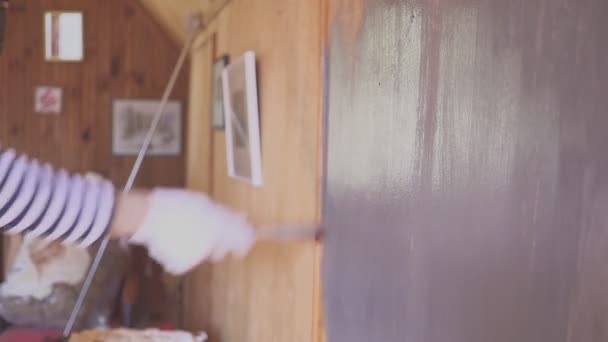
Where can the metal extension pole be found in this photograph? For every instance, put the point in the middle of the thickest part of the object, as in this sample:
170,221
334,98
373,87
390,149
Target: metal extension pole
194,28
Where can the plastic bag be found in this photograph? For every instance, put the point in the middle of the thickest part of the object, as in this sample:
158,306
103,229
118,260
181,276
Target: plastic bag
44,282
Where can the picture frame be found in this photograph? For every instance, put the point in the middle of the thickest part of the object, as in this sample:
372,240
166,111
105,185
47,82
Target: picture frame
243,145
63,36
217,91
131,120
48,99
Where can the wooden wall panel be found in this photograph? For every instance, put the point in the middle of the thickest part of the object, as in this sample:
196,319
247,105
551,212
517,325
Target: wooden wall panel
127,54
171,14
273,294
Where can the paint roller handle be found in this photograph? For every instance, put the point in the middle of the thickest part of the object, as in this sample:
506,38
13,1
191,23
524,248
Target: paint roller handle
180,228
132,208
288,232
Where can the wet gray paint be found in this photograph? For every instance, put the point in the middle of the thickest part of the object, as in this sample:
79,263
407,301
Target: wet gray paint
467,171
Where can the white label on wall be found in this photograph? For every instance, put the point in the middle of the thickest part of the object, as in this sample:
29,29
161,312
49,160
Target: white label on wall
48,100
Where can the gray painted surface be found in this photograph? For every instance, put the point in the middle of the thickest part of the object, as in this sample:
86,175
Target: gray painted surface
467,171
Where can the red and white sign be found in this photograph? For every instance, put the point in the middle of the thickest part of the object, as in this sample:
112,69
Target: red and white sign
48,100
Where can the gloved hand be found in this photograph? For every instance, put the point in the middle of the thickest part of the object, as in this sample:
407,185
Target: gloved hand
183,228
180,228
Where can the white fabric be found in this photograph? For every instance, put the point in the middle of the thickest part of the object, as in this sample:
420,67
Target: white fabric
12,182
92,190
30,279
139,335
5,162
24,196
103,216
40,201
72,208
61,188
183,228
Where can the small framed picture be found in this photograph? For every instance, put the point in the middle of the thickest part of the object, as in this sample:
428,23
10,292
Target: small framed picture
48,100
131,121
63,36
242,121
217,98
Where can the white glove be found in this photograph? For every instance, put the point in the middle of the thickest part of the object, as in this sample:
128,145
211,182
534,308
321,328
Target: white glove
183,228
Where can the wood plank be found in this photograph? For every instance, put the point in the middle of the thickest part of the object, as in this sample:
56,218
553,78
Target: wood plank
13,62
198,167
271,295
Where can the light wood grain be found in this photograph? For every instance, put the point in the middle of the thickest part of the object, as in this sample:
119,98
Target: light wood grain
127,54
173,14
198,167
273,294
199,157
319,330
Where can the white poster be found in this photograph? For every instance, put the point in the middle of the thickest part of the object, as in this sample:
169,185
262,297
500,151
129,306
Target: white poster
48,100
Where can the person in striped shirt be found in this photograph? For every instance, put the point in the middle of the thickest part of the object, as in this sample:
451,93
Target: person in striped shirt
179,228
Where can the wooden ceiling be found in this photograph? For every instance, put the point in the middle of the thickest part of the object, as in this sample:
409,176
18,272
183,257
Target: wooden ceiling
173,14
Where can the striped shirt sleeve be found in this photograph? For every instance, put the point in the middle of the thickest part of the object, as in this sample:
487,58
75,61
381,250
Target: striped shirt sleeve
50,204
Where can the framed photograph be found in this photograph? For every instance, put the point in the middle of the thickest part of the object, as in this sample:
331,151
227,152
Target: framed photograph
217,97
242,121
63,36
131,120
